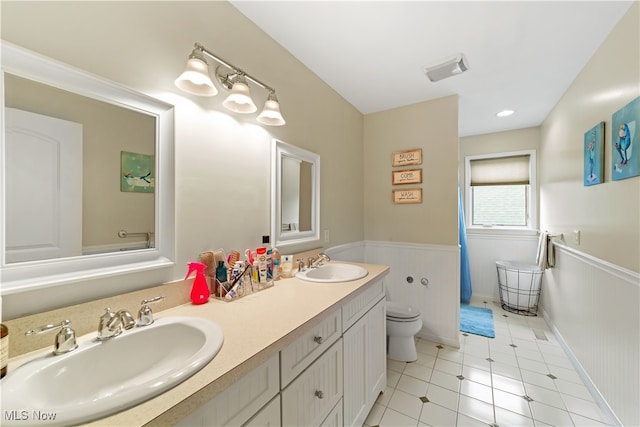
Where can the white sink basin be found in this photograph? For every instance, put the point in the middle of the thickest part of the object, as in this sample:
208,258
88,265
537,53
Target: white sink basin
101,378
333,272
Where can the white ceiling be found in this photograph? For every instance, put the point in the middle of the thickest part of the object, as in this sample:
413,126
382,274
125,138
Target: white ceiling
522,55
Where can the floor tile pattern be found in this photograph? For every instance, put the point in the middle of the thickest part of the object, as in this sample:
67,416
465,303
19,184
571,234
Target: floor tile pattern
521,377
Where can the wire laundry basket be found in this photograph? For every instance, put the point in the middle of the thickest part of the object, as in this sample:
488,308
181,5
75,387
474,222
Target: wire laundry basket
519,286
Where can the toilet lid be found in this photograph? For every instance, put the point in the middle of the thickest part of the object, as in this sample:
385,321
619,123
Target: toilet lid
401,311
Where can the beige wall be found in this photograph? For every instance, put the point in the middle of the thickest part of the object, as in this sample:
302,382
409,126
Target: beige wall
608,214
433,127
222,159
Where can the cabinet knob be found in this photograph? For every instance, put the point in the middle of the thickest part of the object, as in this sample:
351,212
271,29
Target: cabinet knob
318,340
319,394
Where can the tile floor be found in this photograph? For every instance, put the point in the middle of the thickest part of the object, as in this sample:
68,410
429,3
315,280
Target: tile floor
514,379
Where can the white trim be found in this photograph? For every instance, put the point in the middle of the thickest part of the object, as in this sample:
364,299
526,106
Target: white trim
632,277
429,246
279,239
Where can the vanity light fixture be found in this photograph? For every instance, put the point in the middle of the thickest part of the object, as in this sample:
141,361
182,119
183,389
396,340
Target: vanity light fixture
196,80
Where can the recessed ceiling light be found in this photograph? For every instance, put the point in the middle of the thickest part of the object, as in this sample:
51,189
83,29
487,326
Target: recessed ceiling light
505,113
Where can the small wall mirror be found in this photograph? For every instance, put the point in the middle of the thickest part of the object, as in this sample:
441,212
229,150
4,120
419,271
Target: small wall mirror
295,195
86,175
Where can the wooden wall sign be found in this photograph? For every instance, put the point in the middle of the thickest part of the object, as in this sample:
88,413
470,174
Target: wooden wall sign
413,195
407,176
406,158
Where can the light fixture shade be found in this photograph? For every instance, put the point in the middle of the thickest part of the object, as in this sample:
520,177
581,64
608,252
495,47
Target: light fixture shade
195,78
239,100
270,114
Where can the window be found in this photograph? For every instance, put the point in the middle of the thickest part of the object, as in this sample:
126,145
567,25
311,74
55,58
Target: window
501,190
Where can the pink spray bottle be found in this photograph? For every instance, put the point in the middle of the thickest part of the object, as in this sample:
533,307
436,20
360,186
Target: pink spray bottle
200,290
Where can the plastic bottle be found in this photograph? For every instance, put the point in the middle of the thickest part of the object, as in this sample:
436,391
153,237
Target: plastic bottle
221,272
276,269
200,290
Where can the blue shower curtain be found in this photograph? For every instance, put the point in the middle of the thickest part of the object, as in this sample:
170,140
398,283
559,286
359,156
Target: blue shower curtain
465,275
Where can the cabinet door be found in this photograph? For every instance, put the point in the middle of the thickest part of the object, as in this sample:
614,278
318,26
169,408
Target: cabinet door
269,416
376,353
310,398
364,364
334,419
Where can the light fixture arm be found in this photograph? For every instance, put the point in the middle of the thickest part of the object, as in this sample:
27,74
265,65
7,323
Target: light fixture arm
232,67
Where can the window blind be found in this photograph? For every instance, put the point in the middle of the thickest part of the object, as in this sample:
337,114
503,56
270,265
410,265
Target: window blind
513,170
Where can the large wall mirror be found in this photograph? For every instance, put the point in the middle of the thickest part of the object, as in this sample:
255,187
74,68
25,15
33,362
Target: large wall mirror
295,194
86,175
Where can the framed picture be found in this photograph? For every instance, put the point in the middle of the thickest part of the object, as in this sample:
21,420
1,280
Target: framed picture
137,172
594,155
625,142
413,195
408,176
406,158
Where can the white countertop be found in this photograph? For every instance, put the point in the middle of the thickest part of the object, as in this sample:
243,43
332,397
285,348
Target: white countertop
255,327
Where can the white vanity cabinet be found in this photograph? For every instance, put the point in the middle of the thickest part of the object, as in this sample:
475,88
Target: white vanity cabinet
365,360
329,376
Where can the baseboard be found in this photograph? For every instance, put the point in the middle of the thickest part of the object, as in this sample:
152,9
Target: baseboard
595,393
438,339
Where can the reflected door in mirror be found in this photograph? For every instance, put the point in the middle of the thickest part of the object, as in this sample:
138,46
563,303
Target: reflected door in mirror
44,186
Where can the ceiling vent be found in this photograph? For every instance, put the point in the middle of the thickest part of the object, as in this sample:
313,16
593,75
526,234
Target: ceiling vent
451,67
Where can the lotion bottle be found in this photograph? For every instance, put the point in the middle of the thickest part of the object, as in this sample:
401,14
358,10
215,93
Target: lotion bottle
200,290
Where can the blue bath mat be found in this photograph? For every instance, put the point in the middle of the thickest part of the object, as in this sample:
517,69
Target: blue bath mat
476,320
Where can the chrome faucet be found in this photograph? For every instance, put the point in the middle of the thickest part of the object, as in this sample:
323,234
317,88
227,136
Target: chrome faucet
65,339
145,315
300,264
111,324
317,262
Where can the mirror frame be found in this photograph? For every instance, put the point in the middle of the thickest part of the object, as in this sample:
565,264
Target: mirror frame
30,275
278,150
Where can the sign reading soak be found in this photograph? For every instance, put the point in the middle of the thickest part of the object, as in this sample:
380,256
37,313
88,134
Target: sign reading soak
405,158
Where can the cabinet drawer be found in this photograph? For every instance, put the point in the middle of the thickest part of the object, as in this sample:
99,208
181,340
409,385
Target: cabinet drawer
299,354
358,306
309,399
237,404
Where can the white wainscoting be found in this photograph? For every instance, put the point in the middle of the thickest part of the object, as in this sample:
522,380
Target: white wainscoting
353,252
594,308
485,249
438,301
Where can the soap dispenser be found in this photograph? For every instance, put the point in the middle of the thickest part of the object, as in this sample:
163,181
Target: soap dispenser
200,290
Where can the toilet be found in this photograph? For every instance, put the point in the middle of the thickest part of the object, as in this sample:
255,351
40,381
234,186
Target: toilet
403,323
